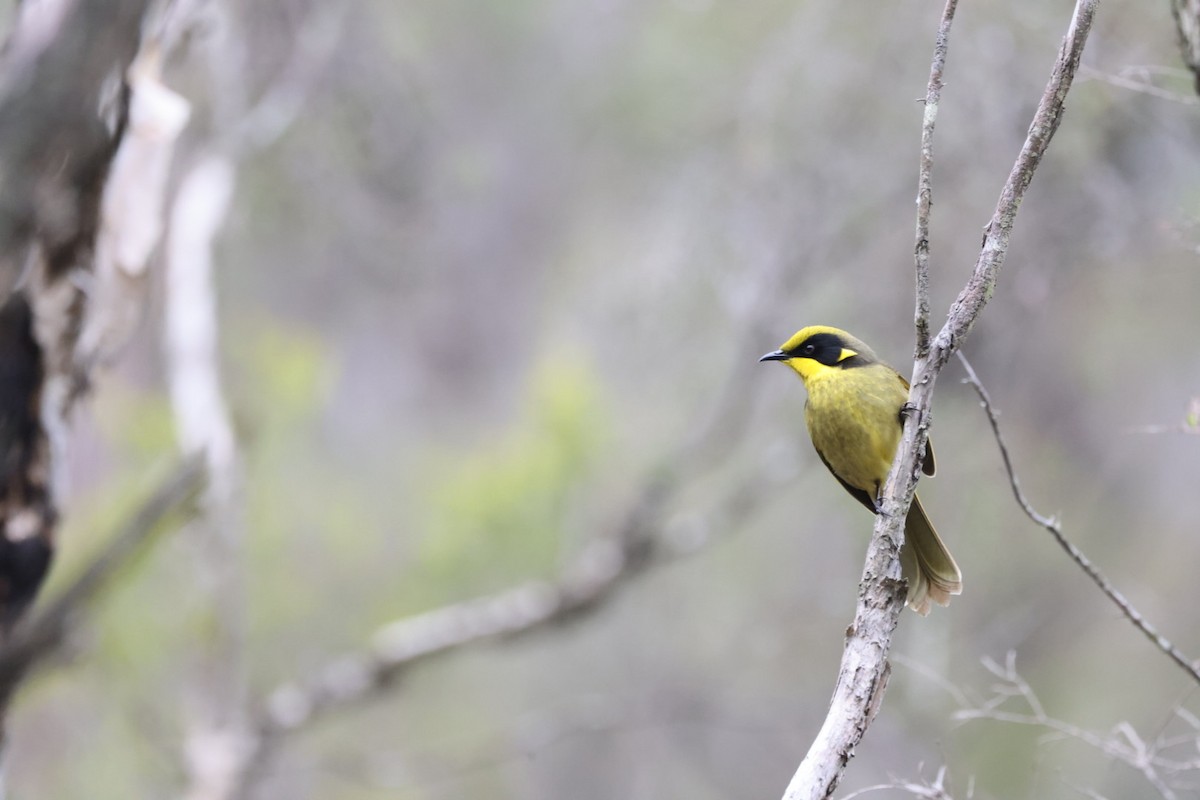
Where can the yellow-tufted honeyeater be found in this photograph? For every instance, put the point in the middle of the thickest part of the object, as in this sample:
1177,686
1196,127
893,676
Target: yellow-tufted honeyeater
854,416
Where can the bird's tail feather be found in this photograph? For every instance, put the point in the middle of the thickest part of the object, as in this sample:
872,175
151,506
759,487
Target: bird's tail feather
931,572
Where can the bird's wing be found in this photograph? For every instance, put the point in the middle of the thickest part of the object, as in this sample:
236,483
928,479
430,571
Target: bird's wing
858,494
929,465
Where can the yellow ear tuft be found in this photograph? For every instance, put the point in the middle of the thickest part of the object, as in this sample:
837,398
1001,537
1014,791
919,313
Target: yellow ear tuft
846,353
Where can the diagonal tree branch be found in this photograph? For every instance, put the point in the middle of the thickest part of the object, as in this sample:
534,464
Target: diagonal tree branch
1054,526
41,632
597,576
864,672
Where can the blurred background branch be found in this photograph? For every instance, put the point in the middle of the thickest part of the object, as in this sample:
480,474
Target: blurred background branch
219,739
1168,762
1143,78
39,634
929,790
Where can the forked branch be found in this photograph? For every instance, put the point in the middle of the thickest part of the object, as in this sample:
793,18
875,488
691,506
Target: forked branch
864,670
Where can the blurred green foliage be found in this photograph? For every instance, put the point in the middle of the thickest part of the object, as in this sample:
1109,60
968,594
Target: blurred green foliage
284,373
497,513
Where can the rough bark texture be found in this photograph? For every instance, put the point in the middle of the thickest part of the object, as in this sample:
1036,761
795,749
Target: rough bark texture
63,110
933,97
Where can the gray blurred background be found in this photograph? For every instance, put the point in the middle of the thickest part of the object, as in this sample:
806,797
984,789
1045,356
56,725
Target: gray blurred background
504,265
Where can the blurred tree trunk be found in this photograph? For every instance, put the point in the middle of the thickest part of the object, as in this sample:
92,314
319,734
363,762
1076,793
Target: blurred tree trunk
64,112
217,736
1187,23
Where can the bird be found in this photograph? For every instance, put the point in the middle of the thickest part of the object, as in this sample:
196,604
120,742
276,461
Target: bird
855,418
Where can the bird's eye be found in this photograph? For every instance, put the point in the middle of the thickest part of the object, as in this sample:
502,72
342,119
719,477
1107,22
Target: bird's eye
809,349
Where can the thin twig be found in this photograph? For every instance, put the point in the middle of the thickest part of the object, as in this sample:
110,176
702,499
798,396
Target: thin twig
933,676
935,790
1123,744
1123,81
933,96
39,633
862,679
1053,525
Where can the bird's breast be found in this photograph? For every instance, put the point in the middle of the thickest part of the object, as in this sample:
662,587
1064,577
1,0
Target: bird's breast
853,418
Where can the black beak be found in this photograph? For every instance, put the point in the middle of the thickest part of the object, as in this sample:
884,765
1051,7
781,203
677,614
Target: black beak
775,355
